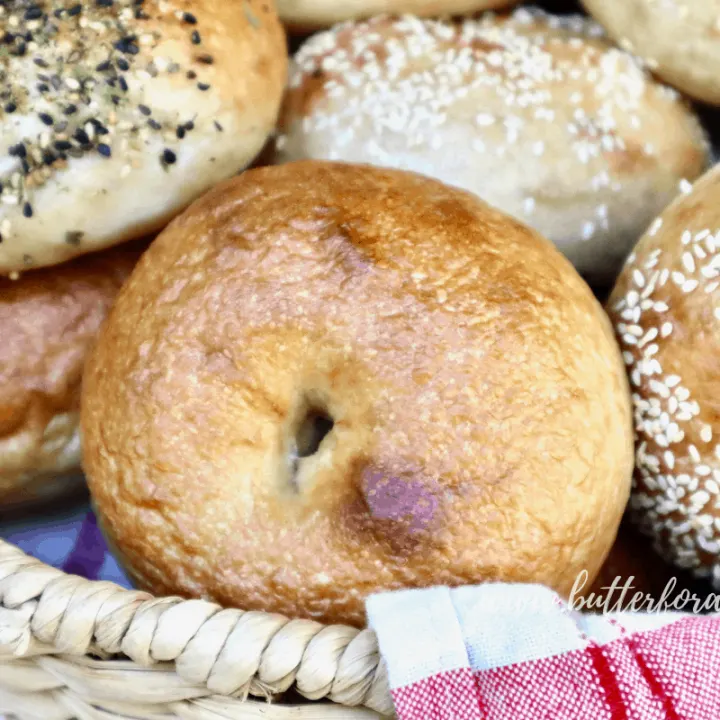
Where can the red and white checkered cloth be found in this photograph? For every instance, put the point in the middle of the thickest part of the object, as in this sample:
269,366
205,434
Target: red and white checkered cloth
517,652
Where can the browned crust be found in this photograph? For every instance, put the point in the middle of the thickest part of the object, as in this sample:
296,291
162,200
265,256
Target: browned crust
482,426
48,320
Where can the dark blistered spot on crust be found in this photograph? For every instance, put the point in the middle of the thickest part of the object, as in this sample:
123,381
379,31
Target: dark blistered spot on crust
399,510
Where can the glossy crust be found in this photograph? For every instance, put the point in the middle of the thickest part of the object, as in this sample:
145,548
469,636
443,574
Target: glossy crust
538,115
313,14
48,321
665,312
679,39
118,119
480,407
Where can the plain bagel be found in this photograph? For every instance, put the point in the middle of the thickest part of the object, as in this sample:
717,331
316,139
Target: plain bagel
678,39
116,115
538,115
316,385
48,321
666,312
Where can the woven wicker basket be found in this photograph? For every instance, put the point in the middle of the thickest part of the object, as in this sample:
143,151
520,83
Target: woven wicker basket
71,648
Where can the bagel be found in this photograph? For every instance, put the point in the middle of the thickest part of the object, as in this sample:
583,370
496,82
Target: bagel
536,114
679,41
48,321
314,14
115,115
665,312
316,385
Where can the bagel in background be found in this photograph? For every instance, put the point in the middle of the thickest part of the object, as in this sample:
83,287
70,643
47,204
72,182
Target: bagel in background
304,15
114,116
679,41
666,312
48,321
538,115
326,380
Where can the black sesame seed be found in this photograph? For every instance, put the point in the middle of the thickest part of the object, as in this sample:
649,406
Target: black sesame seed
115,99
191,75
70,110
218,126
195,37
10,107
46,119
20,49
103,66
25,166
27,210
81,136
104,3
127,45
40,62
180,132
123,84
189,125
189,18
123,64
205,59
203,86
43,87
100,129
18,150
74,10
62,145
168,157
34,12
145,110
49,157
56,82
104,150
154,124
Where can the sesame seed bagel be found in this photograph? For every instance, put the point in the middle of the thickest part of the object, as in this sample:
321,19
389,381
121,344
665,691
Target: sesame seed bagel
48,320
665,311
538,115
116,114
315,386
678,39
313,14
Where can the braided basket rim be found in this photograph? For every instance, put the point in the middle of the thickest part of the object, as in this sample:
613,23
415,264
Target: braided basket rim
71,647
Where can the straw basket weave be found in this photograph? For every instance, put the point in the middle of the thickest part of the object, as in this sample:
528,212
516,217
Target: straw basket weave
71,648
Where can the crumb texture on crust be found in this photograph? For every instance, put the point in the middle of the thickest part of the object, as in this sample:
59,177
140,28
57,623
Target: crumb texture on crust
666,312
480,414
679,40
116,114
538,115
48,321
313,14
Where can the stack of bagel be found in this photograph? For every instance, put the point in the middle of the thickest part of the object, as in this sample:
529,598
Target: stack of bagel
377,359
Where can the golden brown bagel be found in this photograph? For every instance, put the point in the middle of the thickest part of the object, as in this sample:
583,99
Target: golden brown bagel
114,116
48,321
665,308
480,407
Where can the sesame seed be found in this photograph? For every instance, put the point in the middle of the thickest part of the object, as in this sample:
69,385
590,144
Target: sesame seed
189,18
27,210
168,157
203,86
104,150
195,37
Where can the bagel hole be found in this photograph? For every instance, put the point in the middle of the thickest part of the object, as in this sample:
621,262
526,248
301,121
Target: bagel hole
313,429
